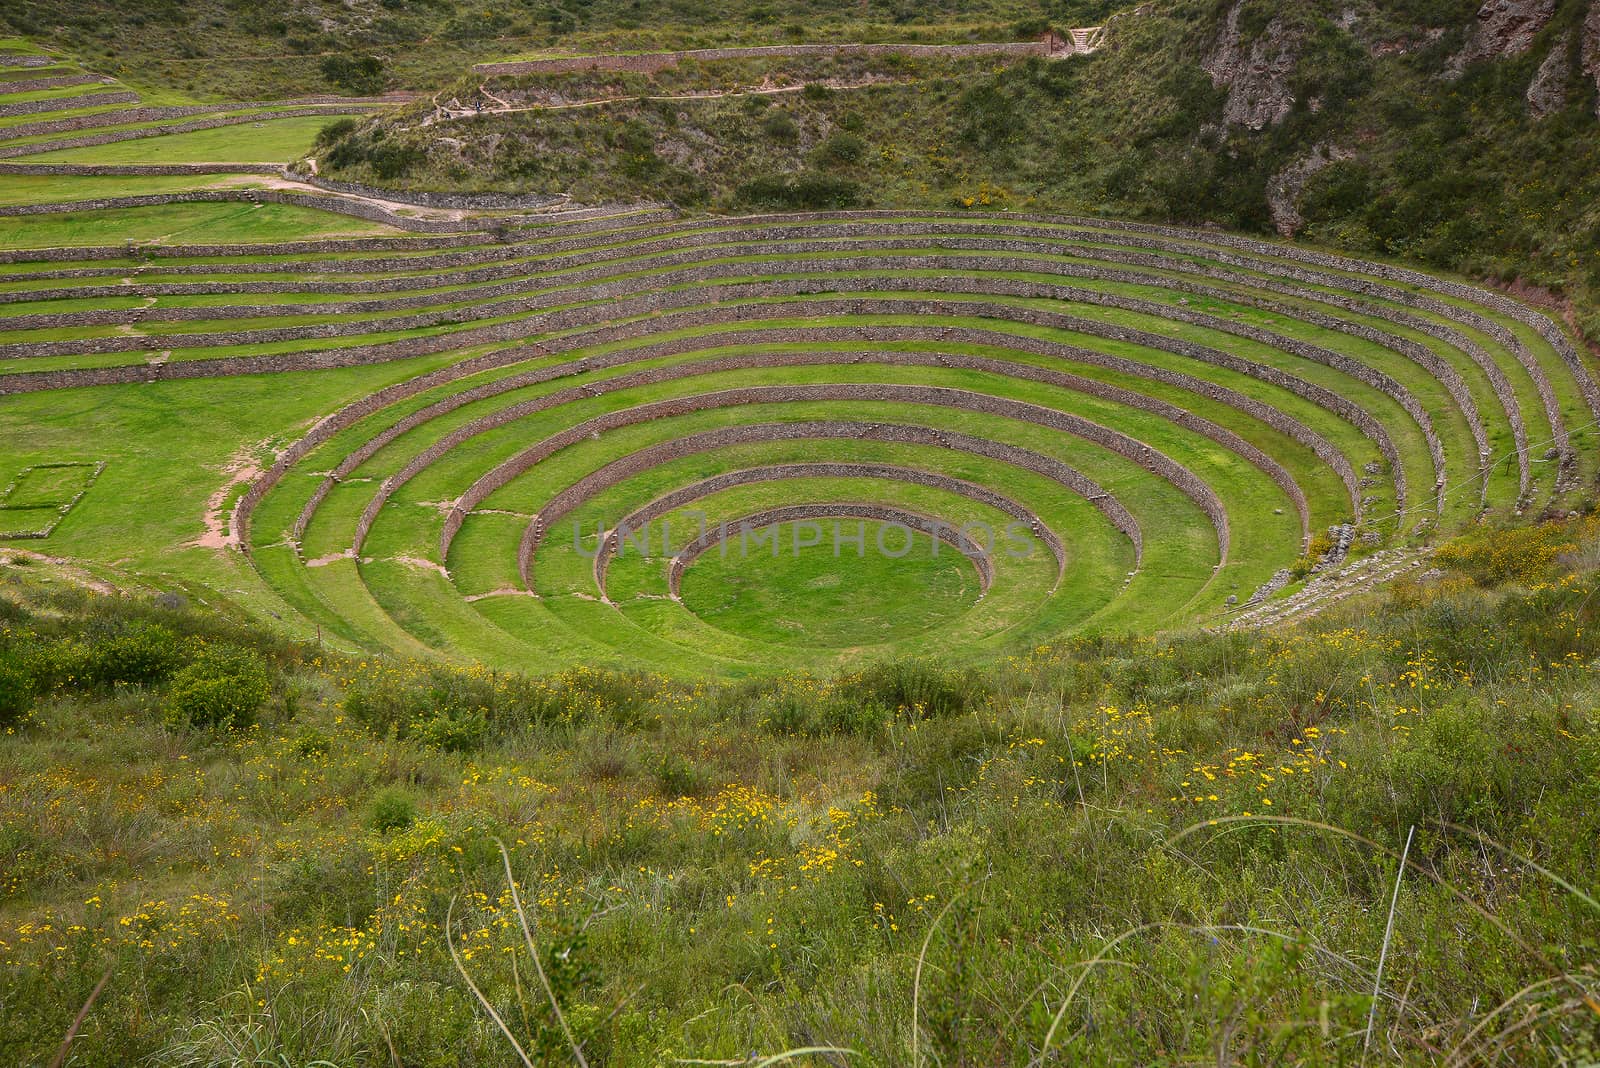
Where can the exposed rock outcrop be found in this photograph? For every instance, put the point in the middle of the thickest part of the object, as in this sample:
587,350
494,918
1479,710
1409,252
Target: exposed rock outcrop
1548,90
1505,28
1284,188
1591,50
1256,75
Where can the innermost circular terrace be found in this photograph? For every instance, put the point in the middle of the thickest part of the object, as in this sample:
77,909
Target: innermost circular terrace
831,575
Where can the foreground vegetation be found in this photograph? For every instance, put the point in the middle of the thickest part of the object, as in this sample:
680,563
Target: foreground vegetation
1116,850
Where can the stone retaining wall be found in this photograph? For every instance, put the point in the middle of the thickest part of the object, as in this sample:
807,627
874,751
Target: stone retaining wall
1452,380
1379,380
66,103
323,246
92,170
360,209
349,415
901,433
1438,368
472,201
1150,459
719,316
700,368
138,133
883,513
652,62
659,507
59,81
304,106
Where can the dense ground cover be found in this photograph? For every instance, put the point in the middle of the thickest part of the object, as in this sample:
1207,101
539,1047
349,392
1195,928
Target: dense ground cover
1108,851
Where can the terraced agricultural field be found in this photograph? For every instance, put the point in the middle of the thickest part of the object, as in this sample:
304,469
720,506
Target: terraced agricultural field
53,109
732,445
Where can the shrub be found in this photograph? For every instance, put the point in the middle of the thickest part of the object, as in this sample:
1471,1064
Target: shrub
392,810
16,692
1522,554
312,742
840,147
362,75
920,689
452,731
224,688
677,777
336,131
138,655
802,192
780,126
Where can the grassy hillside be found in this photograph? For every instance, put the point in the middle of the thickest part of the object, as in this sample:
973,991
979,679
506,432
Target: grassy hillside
1434,159
1112,852
248,51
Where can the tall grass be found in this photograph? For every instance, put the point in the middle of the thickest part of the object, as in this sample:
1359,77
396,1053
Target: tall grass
1111,851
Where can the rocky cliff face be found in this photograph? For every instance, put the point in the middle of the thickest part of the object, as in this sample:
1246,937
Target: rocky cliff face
1590,51
1548,90
1285,187
1256,75
1504,28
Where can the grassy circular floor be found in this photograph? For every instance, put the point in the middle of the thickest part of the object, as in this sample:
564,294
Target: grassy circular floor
899,583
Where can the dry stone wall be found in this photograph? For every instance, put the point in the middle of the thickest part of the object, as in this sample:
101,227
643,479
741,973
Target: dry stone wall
834,430
677,372
1150,459
1437,367
360,209
138,133
652,62
699,317
66,103
799,513
1346,365
640,518
472,201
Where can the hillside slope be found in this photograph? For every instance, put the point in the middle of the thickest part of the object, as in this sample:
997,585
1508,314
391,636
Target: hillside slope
1428,131
1112,852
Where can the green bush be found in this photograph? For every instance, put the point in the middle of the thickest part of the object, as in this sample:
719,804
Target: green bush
1520,554
799,193
452,730
224,688
336,131
362,75
16,692
138,655
312,742
678,777
840,147
920,689
780,126
392,810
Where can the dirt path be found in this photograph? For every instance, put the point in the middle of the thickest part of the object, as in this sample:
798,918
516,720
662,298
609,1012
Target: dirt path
220,532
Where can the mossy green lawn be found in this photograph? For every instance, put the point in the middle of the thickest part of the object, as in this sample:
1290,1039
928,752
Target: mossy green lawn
271,141
195,223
